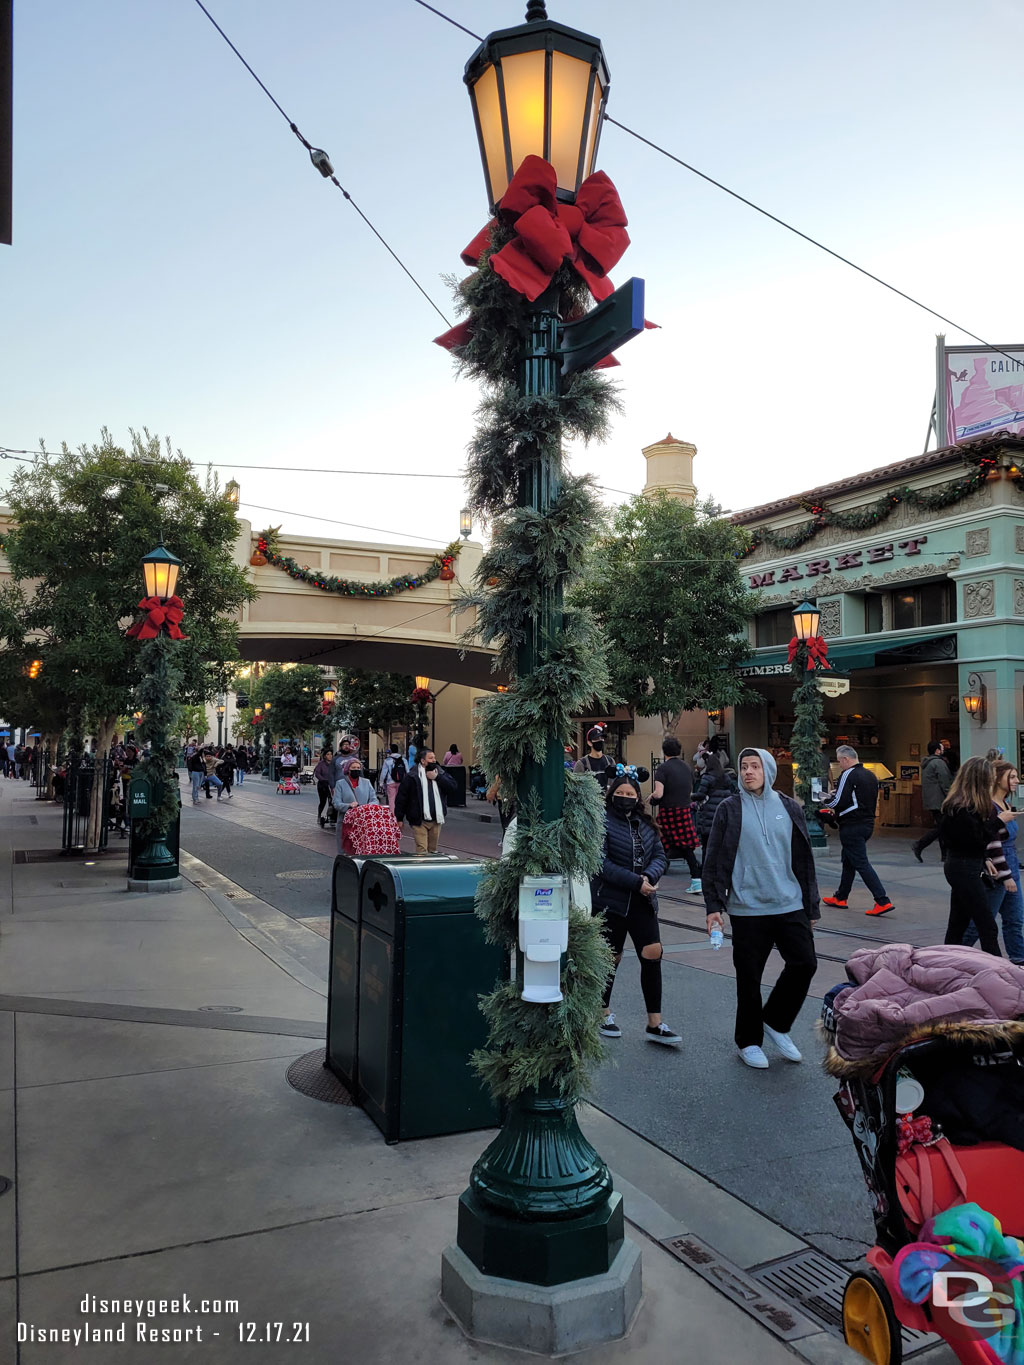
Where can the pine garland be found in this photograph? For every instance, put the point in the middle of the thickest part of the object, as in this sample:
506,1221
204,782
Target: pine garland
531,556
156,697
348,587
808,730
872,514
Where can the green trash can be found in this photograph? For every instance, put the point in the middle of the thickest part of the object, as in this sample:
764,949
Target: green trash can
342,1051
423,964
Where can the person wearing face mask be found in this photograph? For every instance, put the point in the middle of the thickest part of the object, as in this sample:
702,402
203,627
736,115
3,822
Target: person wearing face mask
759,868
352,790
624,892
596,762
421,800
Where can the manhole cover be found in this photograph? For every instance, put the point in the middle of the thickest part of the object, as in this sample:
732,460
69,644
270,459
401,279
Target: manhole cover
221,1009
814,1284
309,1076
303,874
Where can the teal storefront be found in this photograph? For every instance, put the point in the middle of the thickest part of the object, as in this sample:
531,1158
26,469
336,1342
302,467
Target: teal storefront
917,570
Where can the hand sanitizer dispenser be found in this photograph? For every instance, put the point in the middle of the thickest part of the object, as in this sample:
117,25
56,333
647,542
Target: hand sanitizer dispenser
543,936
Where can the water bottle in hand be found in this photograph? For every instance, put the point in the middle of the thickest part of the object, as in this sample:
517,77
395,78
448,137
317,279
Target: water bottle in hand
717,938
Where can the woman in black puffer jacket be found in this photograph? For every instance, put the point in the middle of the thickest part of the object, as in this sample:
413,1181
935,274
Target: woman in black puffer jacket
624,892
718,782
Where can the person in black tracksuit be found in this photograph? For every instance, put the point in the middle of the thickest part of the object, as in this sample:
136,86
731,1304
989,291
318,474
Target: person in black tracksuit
853,805
624,892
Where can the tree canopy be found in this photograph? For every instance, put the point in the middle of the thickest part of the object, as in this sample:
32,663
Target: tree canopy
665,588
375,701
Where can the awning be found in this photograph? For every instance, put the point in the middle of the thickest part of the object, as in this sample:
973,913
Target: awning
844,658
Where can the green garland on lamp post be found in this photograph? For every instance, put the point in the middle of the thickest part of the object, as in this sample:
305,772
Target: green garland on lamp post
807,649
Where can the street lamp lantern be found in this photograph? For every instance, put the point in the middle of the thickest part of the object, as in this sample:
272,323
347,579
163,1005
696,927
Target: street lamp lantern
465,523
422,684
137,717
232,492
268,706
220,711
161,570
330,695
538,89
805,621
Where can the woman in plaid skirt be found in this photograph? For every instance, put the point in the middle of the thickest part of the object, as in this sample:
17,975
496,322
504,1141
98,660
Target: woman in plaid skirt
671,796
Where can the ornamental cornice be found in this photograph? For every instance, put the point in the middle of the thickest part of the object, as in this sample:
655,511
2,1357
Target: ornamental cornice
830,584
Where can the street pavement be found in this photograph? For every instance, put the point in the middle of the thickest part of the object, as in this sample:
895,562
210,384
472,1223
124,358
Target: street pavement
156,1148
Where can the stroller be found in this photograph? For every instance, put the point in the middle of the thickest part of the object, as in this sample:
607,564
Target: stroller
918,1145
287,785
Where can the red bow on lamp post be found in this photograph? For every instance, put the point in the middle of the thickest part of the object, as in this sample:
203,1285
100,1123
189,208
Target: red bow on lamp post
817,651
160,615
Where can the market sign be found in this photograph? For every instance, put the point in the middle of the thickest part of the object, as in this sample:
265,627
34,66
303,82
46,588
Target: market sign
849,559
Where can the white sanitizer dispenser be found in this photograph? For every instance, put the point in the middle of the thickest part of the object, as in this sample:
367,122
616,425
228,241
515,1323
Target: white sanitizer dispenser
543,936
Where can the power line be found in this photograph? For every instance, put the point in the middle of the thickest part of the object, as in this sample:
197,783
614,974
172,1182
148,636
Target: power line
322,163
806,236
449,20
315,516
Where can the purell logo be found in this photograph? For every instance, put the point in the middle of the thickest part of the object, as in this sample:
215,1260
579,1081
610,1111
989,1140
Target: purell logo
543,891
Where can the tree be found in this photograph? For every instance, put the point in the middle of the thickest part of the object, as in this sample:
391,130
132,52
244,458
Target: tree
83,522
375,701
666,590
193,722
296,698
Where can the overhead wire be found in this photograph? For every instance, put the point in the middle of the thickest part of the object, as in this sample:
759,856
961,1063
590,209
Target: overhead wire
323,164
333,521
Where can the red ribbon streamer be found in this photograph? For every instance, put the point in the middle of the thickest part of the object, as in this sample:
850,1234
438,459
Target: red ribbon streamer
817,651
159,616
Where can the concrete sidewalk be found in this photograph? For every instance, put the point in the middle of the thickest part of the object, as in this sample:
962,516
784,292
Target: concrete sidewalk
157,1152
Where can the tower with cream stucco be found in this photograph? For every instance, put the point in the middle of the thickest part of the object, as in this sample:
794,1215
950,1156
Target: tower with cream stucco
670,469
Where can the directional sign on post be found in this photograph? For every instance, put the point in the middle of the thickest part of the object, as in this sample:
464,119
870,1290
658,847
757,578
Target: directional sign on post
604,329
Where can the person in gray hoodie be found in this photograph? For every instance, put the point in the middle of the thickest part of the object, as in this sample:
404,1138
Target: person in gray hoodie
759,868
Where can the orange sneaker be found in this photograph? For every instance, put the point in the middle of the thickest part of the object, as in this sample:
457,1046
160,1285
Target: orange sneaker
882,908
834,900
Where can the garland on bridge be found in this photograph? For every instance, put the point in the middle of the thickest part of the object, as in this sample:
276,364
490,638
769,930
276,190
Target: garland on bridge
440,565
872,514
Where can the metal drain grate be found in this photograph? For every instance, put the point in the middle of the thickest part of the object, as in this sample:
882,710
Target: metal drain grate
302,874
221,1009
44,855
814,1283
770,1310
309,1076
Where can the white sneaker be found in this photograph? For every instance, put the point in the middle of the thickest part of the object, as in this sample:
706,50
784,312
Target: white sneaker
753,1056
694,888
785,1045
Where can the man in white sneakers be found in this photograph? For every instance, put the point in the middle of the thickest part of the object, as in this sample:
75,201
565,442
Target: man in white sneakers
759,868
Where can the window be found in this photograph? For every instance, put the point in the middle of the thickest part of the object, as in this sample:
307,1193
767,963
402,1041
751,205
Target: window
927,604
773,627
872,613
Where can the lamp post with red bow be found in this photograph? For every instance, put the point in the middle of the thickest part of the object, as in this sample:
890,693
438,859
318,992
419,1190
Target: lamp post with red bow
540,1211
153,801
808,652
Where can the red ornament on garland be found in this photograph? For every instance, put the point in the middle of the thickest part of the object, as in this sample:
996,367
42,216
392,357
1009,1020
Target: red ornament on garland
447,574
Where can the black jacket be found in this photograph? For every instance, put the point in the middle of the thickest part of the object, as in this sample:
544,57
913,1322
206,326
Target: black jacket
716,784
612,888
856,795
965,834
409,797
724,840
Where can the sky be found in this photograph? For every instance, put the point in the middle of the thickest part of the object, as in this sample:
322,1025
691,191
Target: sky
179,265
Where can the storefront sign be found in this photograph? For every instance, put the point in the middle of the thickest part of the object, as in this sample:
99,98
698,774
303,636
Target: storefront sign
764,671
832,687
850,559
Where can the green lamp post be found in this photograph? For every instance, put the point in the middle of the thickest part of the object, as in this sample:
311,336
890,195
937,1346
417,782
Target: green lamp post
807,714
540,1207
153,801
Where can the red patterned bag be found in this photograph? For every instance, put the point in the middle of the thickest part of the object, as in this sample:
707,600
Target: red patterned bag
369,832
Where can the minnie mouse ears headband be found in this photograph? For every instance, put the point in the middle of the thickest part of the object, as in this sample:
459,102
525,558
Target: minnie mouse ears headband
631,770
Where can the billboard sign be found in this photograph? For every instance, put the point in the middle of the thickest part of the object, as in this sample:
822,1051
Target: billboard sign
980,391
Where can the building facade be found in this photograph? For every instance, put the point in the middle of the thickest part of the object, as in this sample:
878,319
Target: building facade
917,570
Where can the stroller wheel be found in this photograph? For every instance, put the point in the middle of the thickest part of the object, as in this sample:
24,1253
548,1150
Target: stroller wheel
869,1322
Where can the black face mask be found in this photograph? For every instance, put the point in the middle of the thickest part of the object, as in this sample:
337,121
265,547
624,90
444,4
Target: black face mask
430,767
355,772
598,744
625,805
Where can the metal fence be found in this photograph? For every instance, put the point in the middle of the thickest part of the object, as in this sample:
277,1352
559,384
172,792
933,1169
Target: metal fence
83,770
44,770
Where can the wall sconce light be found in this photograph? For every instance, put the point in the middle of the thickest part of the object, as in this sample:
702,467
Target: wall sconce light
975,701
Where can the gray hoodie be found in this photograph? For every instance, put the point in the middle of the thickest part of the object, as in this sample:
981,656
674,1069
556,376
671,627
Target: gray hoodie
762,876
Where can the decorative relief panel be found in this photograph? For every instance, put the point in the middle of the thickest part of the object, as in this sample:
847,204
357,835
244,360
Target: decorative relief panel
977,541
979,598
1018,597
831,617
1019,538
